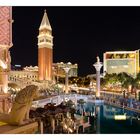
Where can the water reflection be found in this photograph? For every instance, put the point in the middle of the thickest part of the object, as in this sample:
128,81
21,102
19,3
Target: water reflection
102,119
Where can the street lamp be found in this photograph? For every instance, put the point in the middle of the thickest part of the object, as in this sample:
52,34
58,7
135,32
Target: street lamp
98,66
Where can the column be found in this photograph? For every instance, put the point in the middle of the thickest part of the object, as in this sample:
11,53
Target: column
66,78
4,105
53,125
98,66
41,127
98,83
77,128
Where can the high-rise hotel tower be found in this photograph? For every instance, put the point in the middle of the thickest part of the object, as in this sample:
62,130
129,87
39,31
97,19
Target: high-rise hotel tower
45,49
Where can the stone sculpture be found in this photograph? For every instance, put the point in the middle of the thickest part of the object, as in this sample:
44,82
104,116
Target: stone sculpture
20,110
98,59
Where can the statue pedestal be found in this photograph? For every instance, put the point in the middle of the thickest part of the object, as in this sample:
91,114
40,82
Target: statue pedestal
3,82
5,103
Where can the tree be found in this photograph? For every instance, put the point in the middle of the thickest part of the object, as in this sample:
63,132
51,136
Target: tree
122,77
126,81
80,81
129,82
138,80
86,81
110,80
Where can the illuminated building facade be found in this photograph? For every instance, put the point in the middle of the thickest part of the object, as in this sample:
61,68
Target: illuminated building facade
5,44
30,74
122,61
58,70
27,74
45,49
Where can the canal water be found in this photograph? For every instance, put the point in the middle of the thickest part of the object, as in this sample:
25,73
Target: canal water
105,122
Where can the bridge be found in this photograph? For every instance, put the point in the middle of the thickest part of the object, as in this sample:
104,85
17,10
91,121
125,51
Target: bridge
58,99
24,81
21,82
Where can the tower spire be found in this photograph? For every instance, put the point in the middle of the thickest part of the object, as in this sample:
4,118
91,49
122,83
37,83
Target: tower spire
45,49
45,24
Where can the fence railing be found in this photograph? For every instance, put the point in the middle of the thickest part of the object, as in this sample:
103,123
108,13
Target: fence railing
58,99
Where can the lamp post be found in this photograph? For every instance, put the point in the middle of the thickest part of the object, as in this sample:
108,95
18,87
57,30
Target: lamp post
98,66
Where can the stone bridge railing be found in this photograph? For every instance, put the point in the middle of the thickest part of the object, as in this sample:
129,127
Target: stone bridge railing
21,82
58,99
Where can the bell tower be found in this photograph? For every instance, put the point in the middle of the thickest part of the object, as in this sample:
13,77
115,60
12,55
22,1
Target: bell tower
45,49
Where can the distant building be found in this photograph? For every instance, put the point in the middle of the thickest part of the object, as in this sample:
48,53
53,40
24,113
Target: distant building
16,67
58,70
30,74
122,61
31,68
93,76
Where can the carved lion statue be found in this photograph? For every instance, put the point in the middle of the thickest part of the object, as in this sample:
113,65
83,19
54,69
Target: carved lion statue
21,106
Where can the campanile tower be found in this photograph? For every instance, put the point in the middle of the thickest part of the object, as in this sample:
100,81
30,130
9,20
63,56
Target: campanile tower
45,49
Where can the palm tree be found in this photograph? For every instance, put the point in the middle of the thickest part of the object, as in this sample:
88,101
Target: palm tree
110,80
130,83
138,80
122,77
126,81
137,84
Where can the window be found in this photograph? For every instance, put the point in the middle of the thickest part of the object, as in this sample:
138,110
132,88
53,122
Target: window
47,40
41,40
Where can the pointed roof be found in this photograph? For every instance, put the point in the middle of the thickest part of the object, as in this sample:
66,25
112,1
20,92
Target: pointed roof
45,22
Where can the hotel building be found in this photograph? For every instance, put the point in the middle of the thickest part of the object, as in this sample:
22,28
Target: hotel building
122,61
58,70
